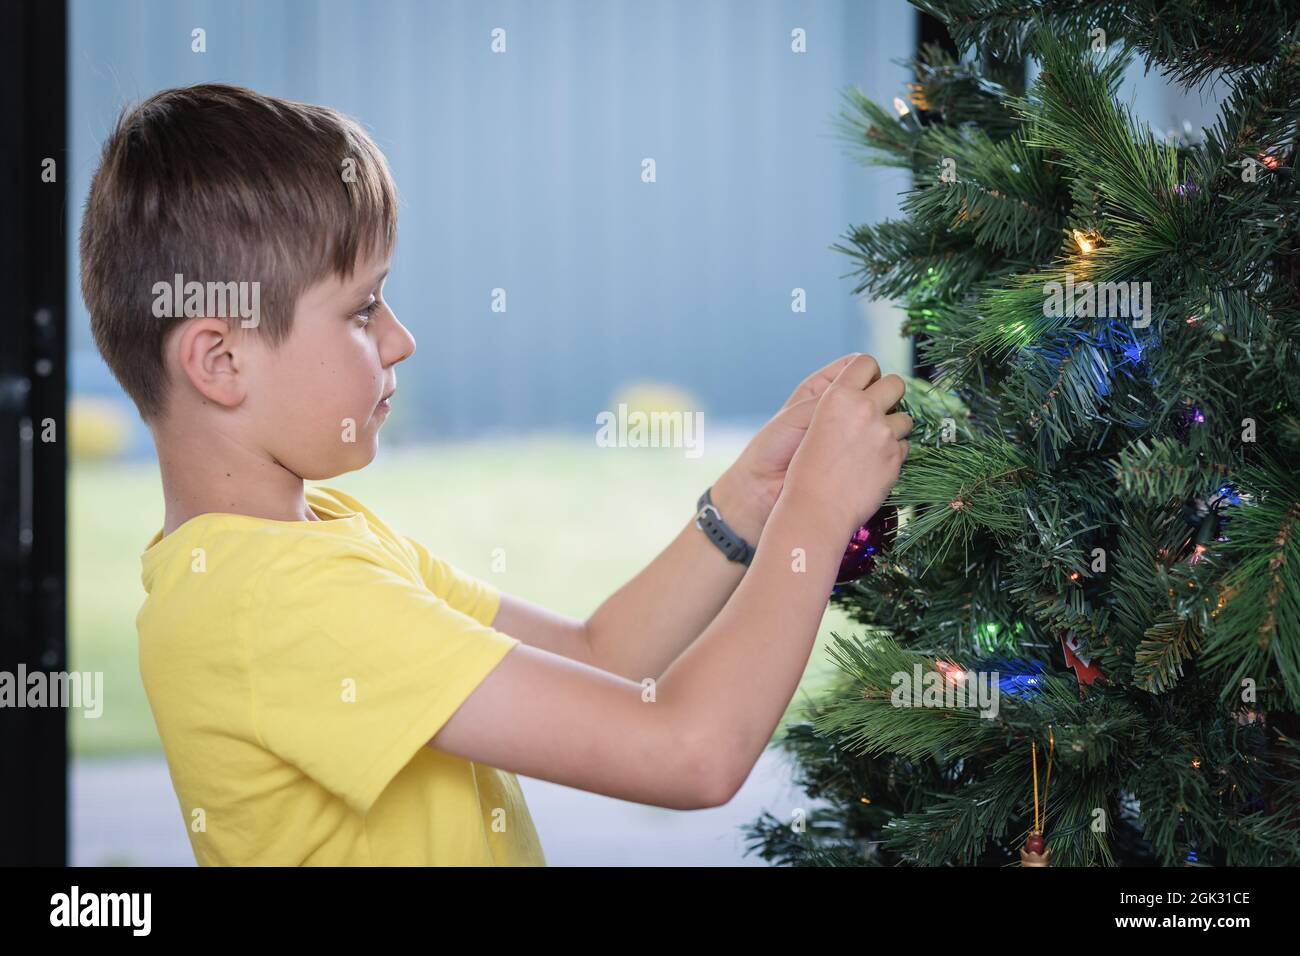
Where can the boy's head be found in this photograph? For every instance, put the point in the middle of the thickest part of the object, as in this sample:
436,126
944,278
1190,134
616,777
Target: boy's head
233,252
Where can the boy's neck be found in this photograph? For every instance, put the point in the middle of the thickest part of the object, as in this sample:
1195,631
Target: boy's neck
214,473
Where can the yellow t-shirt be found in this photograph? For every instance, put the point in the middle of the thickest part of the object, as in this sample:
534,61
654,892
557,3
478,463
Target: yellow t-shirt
296,670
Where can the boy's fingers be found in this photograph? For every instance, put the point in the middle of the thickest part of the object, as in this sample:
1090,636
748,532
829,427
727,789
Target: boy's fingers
800,413
859,373
816,383
900,423
887,392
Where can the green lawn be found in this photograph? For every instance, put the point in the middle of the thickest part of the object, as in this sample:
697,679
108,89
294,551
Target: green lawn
575,520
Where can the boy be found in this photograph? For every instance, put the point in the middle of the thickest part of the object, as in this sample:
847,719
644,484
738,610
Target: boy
326,690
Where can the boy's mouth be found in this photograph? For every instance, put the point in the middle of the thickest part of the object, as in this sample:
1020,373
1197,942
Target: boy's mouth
383,402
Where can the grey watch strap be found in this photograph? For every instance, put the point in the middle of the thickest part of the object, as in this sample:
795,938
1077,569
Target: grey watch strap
719,532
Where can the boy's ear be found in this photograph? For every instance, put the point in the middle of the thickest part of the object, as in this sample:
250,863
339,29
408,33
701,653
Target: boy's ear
207,354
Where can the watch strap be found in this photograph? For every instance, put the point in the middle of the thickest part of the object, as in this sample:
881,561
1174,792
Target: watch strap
708,520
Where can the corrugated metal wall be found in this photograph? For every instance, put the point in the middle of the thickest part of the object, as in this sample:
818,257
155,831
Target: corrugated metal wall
522,171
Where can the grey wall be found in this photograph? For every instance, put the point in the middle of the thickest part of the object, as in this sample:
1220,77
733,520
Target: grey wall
522,170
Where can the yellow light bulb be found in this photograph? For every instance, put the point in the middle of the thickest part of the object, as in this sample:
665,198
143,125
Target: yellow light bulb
1085,244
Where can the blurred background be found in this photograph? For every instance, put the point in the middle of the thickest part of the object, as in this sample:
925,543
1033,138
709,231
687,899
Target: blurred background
521,171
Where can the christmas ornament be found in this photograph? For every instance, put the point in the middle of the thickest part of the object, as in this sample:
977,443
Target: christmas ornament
1035,851
867,542
1184,419
1084,669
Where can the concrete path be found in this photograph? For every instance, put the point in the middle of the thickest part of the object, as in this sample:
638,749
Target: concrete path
124,813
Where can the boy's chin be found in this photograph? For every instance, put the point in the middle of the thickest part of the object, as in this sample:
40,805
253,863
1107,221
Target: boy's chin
355,457
363,455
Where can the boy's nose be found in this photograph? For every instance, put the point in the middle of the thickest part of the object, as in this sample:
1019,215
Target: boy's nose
399,344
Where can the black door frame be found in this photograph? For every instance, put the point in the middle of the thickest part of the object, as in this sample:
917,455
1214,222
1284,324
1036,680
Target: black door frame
33,425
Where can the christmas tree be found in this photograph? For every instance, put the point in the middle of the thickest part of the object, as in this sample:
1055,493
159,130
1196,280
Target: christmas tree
1100,515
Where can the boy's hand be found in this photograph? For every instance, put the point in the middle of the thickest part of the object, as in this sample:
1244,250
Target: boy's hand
854,448
747,491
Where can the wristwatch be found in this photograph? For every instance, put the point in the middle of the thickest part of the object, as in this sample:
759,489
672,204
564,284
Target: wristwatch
710,522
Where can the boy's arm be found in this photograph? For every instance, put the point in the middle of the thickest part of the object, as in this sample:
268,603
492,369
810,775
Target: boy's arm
543,628
691,738
642,627
690,743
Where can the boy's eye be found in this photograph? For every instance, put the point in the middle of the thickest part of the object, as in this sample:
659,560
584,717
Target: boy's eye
368,310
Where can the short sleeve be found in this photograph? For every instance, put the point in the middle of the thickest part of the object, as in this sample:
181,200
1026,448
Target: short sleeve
468,594
354,667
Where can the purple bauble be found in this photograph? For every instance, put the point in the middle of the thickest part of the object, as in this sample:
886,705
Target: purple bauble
867,542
